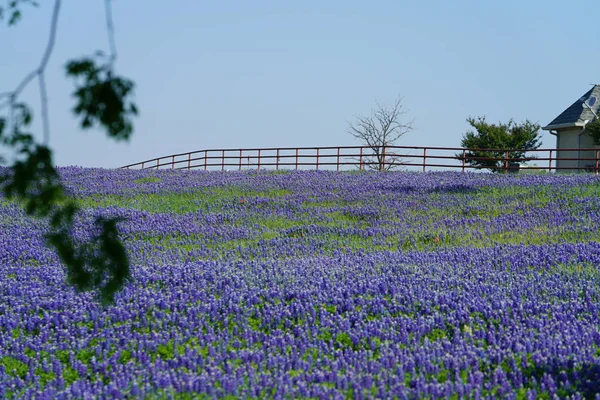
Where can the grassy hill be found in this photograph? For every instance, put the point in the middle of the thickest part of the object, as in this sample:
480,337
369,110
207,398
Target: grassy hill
314,284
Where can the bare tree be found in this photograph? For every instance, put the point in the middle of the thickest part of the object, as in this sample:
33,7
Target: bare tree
379,130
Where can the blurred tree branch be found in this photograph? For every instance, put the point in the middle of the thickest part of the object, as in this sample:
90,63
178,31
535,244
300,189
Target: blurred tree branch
103,100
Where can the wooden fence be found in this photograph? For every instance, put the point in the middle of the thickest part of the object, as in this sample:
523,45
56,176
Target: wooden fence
364,157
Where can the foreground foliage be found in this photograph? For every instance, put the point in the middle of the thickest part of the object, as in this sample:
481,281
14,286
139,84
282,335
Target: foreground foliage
104,100
313,285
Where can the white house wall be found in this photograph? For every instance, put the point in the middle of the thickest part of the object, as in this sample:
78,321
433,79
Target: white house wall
568,139
573,139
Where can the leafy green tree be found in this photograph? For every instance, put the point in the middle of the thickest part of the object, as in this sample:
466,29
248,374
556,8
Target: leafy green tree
486,146
102,99
593,128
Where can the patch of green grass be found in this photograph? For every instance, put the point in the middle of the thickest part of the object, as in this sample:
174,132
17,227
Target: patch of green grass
206,199
343,340
312,353
323,203
426,211
166,394
165,351
346,219
330,308
45,377
14,367
325,335
63,356
436,334
278,223
69,375
125,356
149,179
255,323
85,355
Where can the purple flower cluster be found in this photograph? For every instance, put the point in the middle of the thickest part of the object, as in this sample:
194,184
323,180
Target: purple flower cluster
314,285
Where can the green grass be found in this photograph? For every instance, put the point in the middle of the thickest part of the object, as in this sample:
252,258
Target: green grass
14,367
209,199
149,179
336,223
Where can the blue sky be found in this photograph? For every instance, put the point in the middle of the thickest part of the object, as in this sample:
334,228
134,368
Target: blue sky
235,74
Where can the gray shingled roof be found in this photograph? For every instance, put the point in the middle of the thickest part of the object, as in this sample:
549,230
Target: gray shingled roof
576,114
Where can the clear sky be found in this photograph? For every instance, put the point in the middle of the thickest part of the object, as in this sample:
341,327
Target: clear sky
235,74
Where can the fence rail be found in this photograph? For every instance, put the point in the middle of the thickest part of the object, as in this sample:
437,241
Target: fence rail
383,158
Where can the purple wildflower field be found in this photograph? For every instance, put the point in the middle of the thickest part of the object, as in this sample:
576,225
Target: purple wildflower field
314,284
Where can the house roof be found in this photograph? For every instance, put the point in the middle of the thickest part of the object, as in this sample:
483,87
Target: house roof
576,114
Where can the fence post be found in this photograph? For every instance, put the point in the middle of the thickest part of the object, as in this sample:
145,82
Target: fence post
506,161
222,160
338,159
157,163
463,160
277,161
596,169
142,166
240,160
205,159
296,159
360,162
550,162
382,164
173,162
424,158
258,169
189,161
317,158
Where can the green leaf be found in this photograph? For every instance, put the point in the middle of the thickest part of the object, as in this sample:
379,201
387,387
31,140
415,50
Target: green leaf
22,115
102,99
112,262
33,180
101,264
14,17
85,66
13,12
593,128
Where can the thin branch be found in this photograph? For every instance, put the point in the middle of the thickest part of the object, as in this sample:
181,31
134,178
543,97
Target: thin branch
11,115
110,30
38,72
44,105
12,96
52,38
380,130
3,103
49,47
